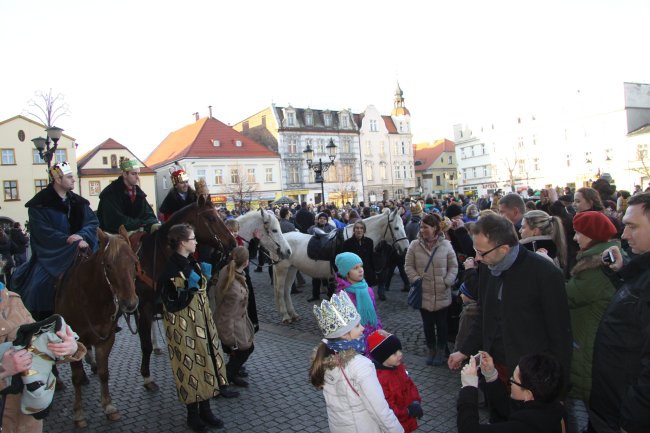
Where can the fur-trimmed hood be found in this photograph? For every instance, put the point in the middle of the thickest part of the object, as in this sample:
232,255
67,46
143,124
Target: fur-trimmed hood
331,361
591,258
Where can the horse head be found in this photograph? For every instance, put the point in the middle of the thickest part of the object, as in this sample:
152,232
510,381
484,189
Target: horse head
396,233
209,227
119,265
272,238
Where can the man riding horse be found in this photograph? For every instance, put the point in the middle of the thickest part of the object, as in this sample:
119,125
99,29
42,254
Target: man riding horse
61,222
179,196
123,202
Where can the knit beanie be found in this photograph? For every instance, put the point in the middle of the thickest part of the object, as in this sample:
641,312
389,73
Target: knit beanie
453,210
382,345
346,261
595,225
468,290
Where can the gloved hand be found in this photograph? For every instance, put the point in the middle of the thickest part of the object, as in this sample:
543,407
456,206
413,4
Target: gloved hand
193,281
468,375
415,410
490,373
154,227
206,269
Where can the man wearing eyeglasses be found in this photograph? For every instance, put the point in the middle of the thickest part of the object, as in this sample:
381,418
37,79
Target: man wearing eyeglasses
522,301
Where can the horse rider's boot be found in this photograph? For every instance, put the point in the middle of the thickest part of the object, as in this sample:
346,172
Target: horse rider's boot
430,356
382,293
194,421
207,416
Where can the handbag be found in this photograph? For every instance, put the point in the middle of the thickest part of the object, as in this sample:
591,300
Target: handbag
414,298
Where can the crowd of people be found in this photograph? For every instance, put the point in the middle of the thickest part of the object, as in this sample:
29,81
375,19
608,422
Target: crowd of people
554,288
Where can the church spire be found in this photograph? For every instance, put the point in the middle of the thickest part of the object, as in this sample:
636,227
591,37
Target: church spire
399,108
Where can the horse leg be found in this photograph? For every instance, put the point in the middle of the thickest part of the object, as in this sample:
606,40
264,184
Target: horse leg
77,380
102,352
288,282
157,350
144,332
279,288
90,360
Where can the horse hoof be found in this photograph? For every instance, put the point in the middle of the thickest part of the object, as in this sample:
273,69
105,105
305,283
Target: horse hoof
151,386
157,351
113,416
82,423
286,321
295,318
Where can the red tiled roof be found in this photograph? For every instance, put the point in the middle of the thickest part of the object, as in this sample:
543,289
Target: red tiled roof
428,153
196,141
107,144
390,125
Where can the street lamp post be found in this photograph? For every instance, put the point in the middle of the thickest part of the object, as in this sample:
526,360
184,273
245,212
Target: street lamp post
43,145
320,167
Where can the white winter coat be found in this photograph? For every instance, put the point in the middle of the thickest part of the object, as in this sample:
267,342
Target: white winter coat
366,413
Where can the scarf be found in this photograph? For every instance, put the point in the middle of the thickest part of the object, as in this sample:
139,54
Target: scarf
506,263
359,344
364,303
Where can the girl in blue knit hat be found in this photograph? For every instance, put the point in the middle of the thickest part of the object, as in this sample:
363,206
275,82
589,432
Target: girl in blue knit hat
350,278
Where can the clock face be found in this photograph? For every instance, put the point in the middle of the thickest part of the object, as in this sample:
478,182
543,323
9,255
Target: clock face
21,135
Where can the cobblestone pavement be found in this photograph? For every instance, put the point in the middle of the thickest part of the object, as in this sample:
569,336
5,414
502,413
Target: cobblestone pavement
279,398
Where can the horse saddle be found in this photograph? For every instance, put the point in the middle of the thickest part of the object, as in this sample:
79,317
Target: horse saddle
324,246
36,384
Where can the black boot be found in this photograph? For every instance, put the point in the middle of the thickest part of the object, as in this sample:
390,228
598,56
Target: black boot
206,415
194,421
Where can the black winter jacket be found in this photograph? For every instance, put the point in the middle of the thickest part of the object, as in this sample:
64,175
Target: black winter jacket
620,394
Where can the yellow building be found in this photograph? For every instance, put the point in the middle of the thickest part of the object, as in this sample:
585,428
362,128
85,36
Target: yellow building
22,171
101,166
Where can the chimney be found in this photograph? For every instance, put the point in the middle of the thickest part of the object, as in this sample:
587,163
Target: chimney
196,116
210,110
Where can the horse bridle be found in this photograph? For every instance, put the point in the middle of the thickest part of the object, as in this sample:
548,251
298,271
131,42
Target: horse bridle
220,244
392,235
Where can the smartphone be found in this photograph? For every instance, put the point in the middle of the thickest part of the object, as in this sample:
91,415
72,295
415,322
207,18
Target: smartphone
477,359
609,257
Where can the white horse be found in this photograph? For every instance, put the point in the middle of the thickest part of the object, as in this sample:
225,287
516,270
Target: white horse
387,226
267,227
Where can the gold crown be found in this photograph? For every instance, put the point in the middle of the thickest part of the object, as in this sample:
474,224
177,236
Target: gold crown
129,164
337,316
61,169
179,176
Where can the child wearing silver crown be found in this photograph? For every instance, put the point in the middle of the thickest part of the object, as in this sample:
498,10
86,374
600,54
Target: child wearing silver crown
355,400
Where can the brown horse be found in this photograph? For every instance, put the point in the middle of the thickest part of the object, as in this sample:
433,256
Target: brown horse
89,297
153,253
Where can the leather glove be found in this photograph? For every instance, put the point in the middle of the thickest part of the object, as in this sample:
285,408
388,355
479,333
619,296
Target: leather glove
193,281
415,410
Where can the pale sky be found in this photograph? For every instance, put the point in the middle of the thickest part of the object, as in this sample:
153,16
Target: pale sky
136,70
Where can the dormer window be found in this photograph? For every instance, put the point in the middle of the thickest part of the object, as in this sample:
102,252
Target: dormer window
327,119
238,143
344,121
216,143
309,118
373,125
291,119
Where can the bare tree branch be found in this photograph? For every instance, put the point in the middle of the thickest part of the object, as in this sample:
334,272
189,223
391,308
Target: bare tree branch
642,157
47,108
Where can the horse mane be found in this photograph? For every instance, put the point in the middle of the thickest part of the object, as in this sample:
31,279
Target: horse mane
114,248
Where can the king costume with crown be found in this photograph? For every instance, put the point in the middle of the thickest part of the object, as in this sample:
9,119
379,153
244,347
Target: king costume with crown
55,214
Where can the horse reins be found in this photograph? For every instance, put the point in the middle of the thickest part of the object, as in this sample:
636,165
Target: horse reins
115,301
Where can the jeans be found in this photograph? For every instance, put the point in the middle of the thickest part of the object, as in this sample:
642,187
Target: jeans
435,328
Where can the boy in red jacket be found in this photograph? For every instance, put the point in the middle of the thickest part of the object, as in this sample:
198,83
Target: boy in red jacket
400,391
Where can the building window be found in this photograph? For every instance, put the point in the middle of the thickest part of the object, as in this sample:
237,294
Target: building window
320,147
327,119
39,185
401,127
404,172
291,146
345,145
269,174
250,175
382,150
238,143
234,175
36,157
216,143
522,166
473,172
485,172
450,160
332,175
291,119
373,126
462,154
482,149
369,176
437,180
641,151
588,159
397,172
218,176
165,182
94,187
8,157
568,160
520,142
293,174
368,150
403,149
536,164
105,160
11,190
113,161
382,171
60,155
309,118
344,121
347,173
534,138
200,174
442,159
